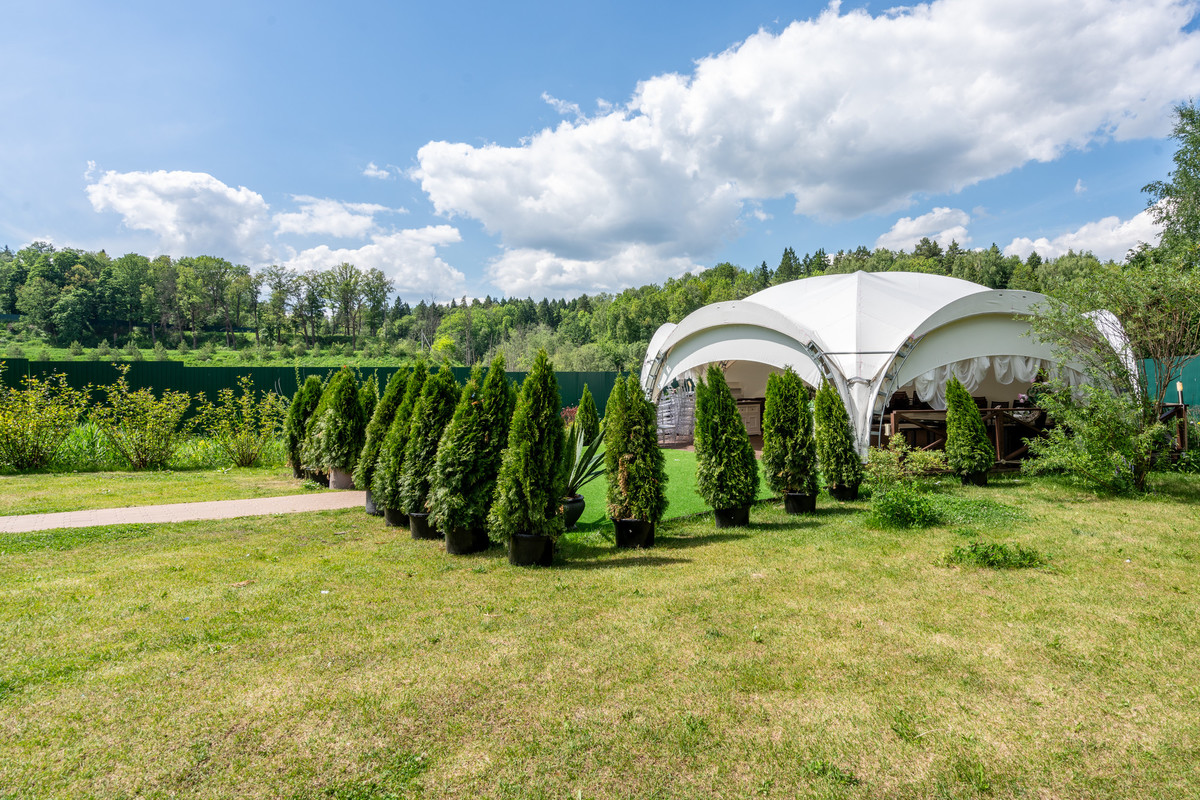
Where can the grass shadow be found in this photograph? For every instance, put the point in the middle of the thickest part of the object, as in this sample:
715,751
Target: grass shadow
643,559
667,541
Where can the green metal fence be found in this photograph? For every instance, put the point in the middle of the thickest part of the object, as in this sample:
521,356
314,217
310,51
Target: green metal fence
208,381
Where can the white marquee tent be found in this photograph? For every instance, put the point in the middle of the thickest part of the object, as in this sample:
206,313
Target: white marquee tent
869,334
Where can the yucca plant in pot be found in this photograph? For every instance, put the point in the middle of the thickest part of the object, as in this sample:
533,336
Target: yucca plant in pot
525,509
385,483
839,460
634,464
377,428
431,415
789,451
969,452
584,459
726,470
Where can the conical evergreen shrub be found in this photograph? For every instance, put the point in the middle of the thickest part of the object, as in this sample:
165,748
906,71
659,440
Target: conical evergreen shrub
431,415
789,456
726,470
368,398
530,484
586,418
377,428
385,483
836,453
339,440
634,464
304,403
968,449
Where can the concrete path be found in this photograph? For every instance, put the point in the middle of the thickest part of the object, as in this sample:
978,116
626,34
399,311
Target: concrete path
181,512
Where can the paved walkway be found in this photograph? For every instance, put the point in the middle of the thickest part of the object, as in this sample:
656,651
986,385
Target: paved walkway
181,512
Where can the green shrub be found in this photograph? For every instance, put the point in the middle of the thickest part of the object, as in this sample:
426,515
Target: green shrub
432,414
726,470
160,352
385,484
206,352
182,348
337,440
968,449
634,463
904,505
36,419
142,428
93,355
304,403
789,456
994,555
836,453
368,397
15,351
132,352
380,420
285,352
586,419
899,463
76,349
530,484
87,449
243,426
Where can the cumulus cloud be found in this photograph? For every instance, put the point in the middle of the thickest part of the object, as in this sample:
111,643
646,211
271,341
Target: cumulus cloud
846,114
329,217
373,171
527,271
409,257
1080,187
192,213
942,225
1107,238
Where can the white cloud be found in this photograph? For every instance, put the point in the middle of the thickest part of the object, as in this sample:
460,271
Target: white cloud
942,225
409,257
1080,188
192,213
846,114
1107,238
372,171
330,217
561,106
537,273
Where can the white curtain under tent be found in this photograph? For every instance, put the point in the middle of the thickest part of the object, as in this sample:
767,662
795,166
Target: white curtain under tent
973,372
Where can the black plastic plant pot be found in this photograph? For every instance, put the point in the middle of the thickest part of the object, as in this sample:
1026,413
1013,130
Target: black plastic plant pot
419,527
975,478
843,493
633,533
732,517
530,550
798,503
572,510
397,519
461,541
369,504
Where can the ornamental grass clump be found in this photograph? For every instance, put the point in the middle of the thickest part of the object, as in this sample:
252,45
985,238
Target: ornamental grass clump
143,429
385,483
304,403
969,453
836,454
243,425
789,450
530,484
431,415
36,419
726,470
468,456
633,461
377,428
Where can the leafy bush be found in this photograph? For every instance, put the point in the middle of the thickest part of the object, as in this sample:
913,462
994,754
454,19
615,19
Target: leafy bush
142,428
36,419
904,505
789,456
530,483
994,555
76,349
432,414
836,452
899,463
304,403
726,470
380,420
968,449
385,483
636,470
243,426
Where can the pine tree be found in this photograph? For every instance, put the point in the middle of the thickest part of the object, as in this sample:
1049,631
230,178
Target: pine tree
836,453
789,450
431,415
386,481
726,470
530,484
381,419
968,450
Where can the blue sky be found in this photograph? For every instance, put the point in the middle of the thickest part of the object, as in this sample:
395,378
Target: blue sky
553,148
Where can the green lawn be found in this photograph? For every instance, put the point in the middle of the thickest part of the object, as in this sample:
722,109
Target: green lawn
327,656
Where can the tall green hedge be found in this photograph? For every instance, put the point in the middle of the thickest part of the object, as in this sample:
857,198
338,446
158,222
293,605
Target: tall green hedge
789,456
726,470
431,415
838,457
634,464
530,485
968,449
385,483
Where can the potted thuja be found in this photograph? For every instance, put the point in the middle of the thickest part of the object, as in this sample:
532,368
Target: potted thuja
385,483
468,461
634,465
969,452
431,415
840,464
336,430
726,470
304,403
525,509
789,457
377,428
584,458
